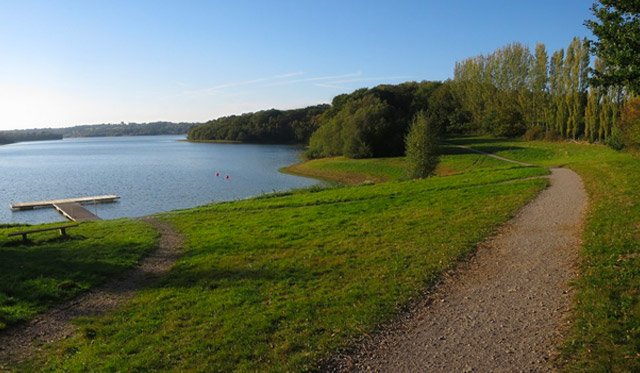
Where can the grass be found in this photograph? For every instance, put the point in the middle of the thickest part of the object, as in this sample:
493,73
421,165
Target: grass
348,171
606,332
49,269
281,282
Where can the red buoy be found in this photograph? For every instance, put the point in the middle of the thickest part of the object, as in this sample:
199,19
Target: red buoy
217,173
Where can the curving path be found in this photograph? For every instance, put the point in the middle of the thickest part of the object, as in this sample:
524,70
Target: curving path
21,341
504,310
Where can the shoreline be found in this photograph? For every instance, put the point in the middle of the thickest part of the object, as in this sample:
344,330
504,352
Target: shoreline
302,146
321,182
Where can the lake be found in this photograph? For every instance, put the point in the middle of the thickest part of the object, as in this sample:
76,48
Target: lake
150,173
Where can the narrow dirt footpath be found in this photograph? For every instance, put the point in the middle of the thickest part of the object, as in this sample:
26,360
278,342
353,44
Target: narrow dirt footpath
504,310
21,341
492,155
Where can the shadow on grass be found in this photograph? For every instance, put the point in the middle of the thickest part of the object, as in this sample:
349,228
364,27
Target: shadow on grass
220,277
18,241
37,274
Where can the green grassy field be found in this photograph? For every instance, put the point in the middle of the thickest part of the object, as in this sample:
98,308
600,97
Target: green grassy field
358,171
50,268
281,282
606,335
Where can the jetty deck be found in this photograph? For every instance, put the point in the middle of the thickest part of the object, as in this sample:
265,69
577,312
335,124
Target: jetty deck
75,212
70,208
50,203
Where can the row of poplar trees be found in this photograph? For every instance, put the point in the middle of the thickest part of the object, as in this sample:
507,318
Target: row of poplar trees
513,91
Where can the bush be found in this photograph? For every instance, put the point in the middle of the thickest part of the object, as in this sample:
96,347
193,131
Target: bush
551,135
421,147
534,133
630,123
616,139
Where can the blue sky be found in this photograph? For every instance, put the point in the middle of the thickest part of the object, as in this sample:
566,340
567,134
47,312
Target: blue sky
78,62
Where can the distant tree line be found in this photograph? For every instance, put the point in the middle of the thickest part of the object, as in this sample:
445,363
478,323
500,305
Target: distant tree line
266,126
96,130
125,129
8,137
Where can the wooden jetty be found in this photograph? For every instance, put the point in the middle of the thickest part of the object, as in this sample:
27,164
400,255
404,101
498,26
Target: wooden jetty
70,208
50,203
75,212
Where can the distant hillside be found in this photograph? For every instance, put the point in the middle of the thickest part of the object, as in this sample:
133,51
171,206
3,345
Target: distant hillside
8,137
126,129
266,126
96,130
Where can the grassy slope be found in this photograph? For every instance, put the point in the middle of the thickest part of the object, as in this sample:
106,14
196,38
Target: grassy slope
353,172
280,282
606,335
50,269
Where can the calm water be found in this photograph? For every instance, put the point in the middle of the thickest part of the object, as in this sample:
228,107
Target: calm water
150,174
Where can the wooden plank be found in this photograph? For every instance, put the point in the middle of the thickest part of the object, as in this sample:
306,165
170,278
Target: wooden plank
50,203
75,212
28,231
61,228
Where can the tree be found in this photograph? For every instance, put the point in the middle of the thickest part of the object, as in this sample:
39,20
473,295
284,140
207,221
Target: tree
618,31
421,147
265,126
591,115
445,111
539,80
575,75
557,91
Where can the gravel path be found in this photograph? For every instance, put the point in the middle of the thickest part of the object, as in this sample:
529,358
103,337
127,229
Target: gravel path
19,342
506,309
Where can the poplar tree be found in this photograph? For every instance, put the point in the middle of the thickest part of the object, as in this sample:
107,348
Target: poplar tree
604,127
571,82
557,91
582,76
511,87
591,116
421,146
539,82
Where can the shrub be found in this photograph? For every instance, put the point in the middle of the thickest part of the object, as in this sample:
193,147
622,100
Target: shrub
630,123
551,135
421,147
616,139
534,133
